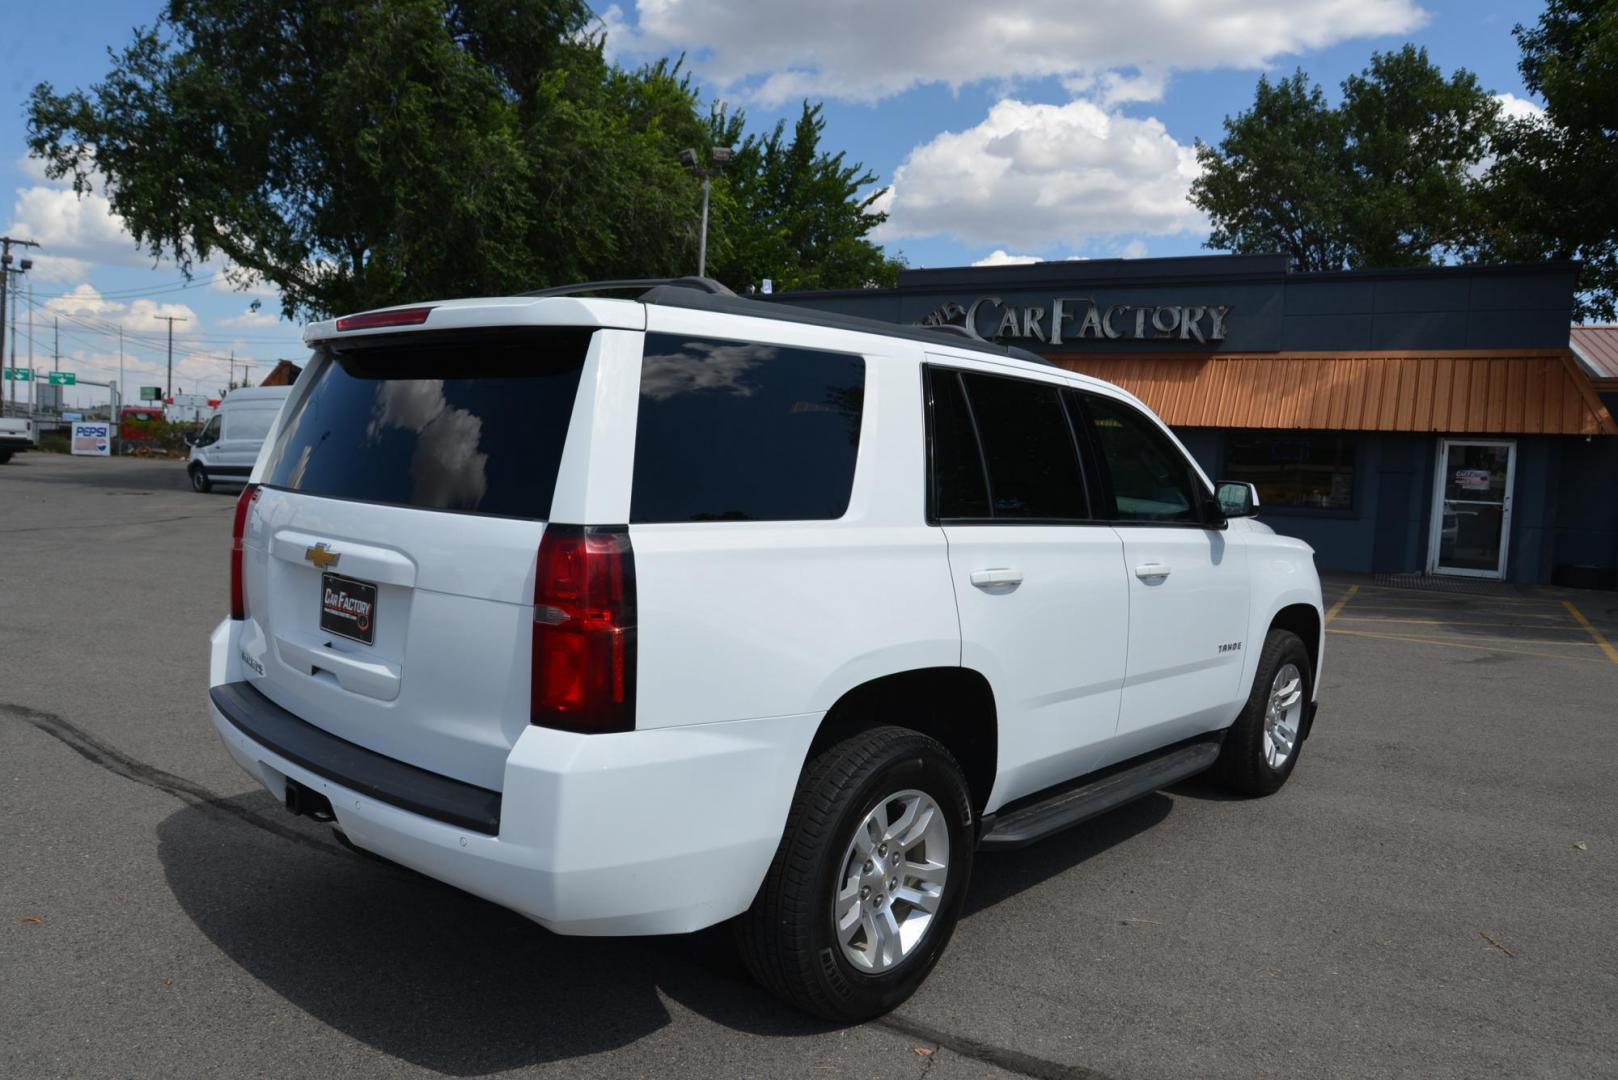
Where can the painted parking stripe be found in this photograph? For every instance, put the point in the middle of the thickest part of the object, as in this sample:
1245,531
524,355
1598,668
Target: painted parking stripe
1337,607
1459,622
1462,645
1599,638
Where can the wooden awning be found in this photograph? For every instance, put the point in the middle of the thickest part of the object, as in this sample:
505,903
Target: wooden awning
1539,392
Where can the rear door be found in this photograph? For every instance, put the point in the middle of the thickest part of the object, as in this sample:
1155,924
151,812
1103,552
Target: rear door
1187,579
391,578
1039,582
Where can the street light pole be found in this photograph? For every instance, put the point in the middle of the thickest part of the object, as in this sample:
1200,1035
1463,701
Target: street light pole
6,243
702,242
720,157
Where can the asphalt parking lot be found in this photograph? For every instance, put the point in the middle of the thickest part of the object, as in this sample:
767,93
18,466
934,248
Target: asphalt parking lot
1430,895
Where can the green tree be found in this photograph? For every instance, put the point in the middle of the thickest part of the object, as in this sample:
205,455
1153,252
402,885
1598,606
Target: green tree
356,154
795,213
1551,185
1388,177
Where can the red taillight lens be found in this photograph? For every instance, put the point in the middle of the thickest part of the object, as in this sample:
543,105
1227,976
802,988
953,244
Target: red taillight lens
584,629
373,320
238,593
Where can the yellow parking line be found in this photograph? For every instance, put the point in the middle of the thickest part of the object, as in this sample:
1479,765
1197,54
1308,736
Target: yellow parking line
1600,639
1460,645
1345,598
1514,640
1422,608
1456,622
1407,593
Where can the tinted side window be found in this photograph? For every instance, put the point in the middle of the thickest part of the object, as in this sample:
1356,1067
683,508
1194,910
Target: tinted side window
739,431
1028,445
1151,479
957,466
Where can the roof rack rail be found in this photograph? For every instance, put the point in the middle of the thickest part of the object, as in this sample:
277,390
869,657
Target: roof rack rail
949,328
700,284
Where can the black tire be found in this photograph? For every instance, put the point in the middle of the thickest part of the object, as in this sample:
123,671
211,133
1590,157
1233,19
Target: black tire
1243,766
5,456
199,480
788,938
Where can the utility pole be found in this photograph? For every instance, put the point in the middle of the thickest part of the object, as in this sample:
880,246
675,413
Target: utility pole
168,389
56,358
6,243
31,394
230,383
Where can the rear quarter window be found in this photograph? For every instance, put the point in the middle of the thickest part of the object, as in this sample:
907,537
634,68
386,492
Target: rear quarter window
472,422
743,431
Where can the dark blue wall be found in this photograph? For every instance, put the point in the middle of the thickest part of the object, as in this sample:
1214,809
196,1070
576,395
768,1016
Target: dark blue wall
1586,513
1564,504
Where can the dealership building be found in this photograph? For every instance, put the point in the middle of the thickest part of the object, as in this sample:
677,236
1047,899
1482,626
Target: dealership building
1418,421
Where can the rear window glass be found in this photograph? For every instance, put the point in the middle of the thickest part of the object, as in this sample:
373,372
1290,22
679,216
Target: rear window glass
740,431
472,423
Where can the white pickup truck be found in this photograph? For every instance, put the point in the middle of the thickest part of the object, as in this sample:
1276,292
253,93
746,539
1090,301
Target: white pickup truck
16,434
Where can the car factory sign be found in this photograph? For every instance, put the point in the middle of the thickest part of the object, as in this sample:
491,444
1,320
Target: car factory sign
1074,318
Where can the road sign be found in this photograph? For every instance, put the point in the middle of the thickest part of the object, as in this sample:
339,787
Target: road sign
63,378
151,393
21,374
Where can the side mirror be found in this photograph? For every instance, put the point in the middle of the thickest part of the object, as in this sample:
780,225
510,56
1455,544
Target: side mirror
1237,499
191,438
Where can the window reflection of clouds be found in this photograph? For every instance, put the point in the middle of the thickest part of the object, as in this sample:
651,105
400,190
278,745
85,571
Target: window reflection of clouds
445,465
721,366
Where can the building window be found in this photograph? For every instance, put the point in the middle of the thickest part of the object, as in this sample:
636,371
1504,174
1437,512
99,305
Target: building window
1312,469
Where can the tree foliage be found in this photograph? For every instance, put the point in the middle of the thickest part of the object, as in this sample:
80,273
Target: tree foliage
1551,186
355,154
795,213
1388,177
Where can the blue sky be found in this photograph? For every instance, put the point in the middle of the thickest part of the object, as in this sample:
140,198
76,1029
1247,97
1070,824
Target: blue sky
1027,128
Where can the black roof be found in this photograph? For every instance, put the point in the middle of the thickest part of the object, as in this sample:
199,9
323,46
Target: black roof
706,294
678,293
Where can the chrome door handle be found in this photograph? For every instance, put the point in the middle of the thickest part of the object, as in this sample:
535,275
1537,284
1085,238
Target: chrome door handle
1001,576
1147,571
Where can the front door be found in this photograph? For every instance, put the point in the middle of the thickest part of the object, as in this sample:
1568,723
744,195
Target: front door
1471,526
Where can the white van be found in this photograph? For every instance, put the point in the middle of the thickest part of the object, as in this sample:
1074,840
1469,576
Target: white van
228,445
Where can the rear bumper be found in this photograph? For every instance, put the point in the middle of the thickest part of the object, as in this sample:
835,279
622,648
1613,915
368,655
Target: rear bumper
16,442
647,832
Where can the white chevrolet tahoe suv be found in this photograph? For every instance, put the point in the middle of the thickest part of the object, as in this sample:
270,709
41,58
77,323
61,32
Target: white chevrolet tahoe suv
635,615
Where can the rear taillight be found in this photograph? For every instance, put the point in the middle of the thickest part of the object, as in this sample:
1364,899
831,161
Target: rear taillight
584,629
238,593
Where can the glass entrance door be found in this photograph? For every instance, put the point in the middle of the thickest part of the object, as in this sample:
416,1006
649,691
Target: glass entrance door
1472,507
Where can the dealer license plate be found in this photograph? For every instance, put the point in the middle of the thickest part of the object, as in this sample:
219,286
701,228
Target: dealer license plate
348,607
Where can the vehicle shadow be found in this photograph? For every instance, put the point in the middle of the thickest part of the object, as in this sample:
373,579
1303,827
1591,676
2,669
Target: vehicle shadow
445,981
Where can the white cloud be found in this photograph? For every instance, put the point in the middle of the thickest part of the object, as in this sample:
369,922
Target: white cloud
777,50
251,320
1001,257
1037,176
1513,107
140,316
1135,249
72,230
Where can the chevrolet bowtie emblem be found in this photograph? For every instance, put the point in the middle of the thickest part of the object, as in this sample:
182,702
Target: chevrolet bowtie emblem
321,555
